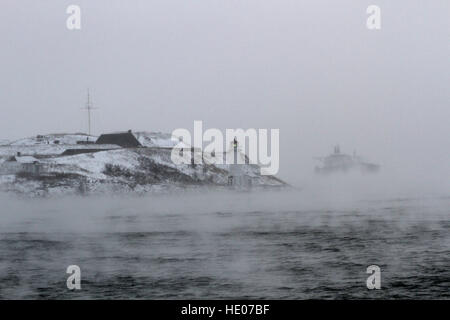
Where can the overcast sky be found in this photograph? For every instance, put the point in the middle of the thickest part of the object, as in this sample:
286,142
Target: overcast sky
310,68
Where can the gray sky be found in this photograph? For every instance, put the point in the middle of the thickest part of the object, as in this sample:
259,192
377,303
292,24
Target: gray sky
310,68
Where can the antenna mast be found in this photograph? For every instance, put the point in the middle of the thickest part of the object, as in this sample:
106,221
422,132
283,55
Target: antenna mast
89,108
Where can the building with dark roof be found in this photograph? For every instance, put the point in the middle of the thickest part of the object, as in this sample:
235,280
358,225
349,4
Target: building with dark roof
123,139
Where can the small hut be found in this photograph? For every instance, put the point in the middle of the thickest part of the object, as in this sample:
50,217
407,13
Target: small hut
22,164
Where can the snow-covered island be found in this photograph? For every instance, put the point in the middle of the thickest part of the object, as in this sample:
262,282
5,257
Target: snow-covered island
137,162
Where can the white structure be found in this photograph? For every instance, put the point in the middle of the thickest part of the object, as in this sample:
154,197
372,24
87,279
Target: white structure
238,177
21,164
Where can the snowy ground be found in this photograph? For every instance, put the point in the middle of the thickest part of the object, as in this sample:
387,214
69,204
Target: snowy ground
140,170
155,139
49,145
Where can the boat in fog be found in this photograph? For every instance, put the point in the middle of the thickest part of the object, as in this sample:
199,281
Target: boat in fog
341,162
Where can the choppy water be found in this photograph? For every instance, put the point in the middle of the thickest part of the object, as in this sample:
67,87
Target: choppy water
269,245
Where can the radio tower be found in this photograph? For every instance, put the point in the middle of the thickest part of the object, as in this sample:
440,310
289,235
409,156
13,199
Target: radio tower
89,108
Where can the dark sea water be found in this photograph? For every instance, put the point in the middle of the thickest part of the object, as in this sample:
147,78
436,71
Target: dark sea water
270,245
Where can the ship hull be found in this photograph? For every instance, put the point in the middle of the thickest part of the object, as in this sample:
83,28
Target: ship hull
363,168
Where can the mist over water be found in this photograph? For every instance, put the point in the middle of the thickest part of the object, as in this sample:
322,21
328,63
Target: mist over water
315,242
311,69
